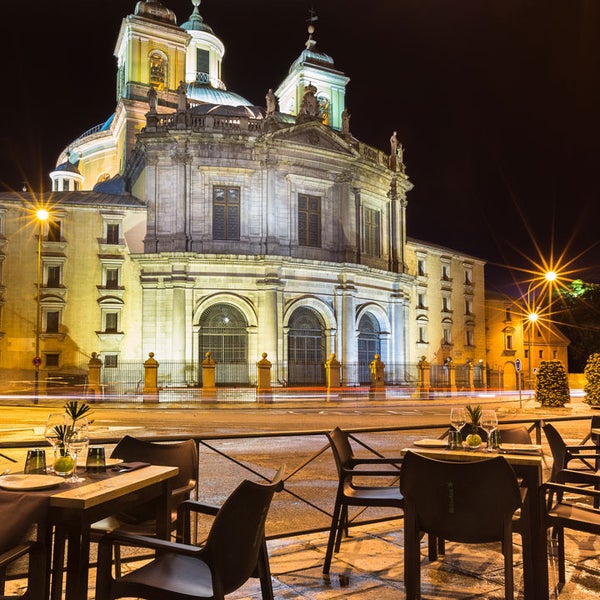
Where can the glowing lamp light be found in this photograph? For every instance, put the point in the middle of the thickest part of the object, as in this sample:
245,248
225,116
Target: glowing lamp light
551,276
533,317
42,214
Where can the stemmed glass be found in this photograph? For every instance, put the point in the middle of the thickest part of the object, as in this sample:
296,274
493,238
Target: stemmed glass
489,422
55,430
458,418
77,442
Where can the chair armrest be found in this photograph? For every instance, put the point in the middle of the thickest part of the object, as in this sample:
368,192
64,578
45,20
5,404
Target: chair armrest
584,449
551,486
570,476
188,506
143,541
378,461
183,491
14,553
371,473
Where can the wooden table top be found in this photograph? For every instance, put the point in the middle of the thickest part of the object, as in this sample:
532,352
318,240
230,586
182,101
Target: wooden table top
526,460
100,491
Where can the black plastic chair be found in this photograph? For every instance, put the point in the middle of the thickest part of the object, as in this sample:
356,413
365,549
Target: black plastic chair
349,493
467,502
563,454
514,434
561,513
183,455
36,570
180,571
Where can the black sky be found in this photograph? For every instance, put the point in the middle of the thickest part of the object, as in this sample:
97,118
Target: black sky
496,102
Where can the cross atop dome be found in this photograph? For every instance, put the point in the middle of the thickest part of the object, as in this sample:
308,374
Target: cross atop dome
310,43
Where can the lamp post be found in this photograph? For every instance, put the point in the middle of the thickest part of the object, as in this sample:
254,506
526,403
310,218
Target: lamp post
41,216
532,317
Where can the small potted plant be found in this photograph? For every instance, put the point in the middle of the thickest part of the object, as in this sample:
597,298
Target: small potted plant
474,440
74,412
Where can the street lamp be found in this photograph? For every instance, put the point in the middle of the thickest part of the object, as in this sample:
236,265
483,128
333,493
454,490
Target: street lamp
41,216
532,317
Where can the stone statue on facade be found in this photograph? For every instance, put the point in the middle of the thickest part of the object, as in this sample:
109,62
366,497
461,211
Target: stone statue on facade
182,96
309,108
152,99
271,100
345,122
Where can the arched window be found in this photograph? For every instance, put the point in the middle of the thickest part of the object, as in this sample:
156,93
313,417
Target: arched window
223,333
369,344
306,348
158,70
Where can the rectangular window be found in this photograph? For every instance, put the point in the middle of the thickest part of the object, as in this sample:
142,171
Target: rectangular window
53,277
422,334
112,233
51,359
509,342
508,315
469,337
421,300
112,278
468,276
111,322
468,307
371,232
526,353
446,272
202,61
54,231
52,321
309,220
226,213
447,335
111,361
541,354
421,268
554,354
445,303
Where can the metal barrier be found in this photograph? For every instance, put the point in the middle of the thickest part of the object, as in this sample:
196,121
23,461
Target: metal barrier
311,478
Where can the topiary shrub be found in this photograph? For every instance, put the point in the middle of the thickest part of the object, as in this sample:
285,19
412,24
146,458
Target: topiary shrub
552,386
592,377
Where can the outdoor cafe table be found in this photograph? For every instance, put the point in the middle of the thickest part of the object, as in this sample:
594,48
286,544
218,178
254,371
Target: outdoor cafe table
528,467
70,509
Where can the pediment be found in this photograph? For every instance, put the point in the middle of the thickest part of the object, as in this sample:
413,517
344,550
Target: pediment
316,135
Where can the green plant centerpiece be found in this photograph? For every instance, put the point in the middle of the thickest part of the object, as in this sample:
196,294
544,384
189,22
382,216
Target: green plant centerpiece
474,440
74,411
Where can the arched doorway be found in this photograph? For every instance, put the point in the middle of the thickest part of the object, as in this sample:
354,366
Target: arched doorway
369,344
223,333
306,348
509,376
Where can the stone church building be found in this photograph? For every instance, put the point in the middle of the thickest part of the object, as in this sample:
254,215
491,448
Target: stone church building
194,221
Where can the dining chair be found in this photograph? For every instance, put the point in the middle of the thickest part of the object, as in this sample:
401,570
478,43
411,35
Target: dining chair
36,569
467,502
563,455
514,434
179,571
565,507
350,493
141,520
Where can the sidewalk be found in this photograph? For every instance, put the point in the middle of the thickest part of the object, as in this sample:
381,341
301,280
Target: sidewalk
369,566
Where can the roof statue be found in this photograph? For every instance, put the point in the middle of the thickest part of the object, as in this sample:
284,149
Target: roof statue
345,122
309,109
271,100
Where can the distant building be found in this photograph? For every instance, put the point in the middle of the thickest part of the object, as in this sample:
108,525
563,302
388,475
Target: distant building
193,221
512,337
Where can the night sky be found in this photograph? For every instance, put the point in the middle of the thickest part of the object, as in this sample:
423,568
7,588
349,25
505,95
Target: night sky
496,102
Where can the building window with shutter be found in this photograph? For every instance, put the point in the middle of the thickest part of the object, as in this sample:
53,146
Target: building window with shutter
309,220
226,213
371,232
52,321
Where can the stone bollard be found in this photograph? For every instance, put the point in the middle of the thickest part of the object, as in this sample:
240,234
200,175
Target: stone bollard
93,386
377,368
332,372
208,372
452,375
424,385
150,379
264,374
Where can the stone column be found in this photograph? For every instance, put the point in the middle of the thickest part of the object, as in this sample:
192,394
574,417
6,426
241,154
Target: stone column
348,331
208,373
264,374
424,385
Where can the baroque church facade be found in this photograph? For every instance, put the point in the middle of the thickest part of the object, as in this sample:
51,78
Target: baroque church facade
194,221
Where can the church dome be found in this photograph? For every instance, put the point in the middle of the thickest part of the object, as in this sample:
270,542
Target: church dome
229,110
153,9
204,93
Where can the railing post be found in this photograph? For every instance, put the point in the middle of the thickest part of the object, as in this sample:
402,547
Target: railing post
332,372
94,387
452,375
150,379
424,386
469,368
264,375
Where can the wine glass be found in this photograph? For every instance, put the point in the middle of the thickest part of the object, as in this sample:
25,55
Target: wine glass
458,418
55,430
489,422
77,443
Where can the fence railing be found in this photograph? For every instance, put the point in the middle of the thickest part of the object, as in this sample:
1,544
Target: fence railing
311,478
